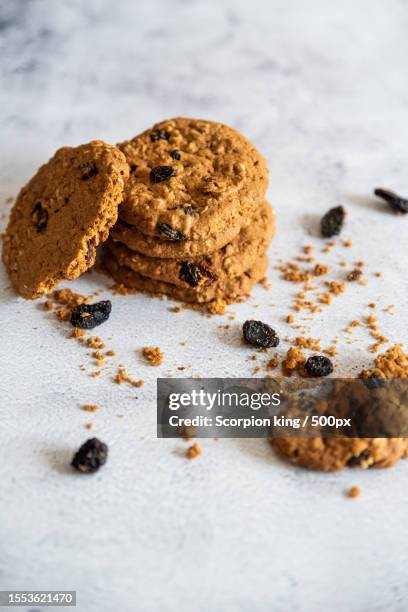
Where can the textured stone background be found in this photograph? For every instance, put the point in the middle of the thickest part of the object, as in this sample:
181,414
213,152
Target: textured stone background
321,88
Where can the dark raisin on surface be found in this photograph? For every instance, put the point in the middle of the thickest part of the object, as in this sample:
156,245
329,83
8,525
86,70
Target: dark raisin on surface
194,274
88,316
158,174
332,222
90,456
168,233
159,135
260,334
395,201
359,459
318,365
39,216
175,154
88,170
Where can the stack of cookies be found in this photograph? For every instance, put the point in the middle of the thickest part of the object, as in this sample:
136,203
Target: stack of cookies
194,223
193,220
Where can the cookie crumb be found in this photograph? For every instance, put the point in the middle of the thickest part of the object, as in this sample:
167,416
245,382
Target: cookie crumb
176,309
194,451
217,307
77,333
294,360
273,363
290,318
320,269
153,355
89,407
336,288
123,377
354,275
354,492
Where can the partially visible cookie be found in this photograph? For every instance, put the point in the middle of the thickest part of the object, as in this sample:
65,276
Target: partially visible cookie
331,454
230,261
193,177
61,215
227,289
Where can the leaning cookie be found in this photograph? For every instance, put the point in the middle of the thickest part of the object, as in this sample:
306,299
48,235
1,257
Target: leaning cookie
229,262
228,289
193,177
61,215
332,454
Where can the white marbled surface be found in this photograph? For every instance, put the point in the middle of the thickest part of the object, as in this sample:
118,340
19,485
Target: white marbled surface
321,89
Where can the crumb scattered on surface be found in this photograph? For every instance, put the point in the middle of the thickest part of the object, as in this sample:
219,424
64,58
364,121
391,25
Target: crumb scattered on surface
217,307
89,407
273,363
194,451
153,355
123,377
393,363
308,343
320,269
354,275
354,492
295,359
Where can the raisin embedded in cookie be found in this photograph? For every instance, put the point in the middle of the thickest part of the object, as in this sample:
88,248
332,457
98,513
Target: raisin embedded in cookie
61,216
230,261
215,179
133,238
228,289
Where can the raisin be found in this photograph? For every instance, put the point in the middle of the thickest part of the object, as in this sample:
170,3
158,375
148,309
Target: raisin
158,174
374,382
168,233
89,251
88,170
159,135
318,365
175,154
395,201
260,334
332,222
90,456
193,274
88,316
39,216
359,459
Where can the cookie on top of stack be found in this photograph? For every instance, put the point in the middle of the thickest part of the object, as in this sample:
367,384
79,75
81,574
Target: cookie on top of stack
193,220
194,223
